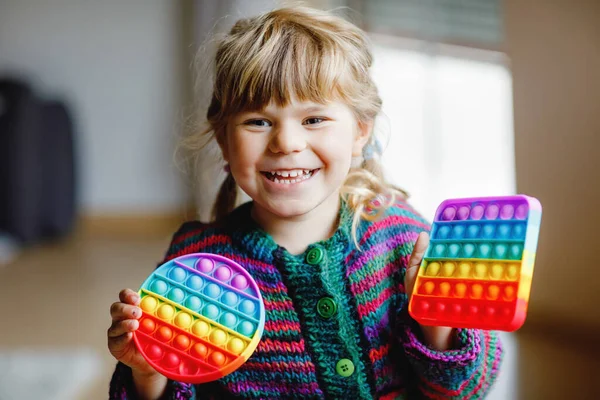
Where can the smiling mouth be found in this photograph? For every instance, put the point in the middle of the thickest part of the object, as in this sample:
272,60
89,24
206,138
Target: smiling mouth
290,176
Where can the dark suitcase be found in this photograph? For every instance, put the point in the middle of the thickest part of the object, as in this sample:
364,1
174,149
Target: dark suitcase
37,185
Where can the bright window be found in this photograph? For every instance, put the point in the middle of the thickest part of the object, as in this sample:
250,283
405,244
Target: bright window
447,115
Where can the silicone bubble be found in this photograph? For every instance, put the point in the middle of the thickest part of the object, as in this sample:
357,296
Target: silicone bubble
463,213
448,269
202,317
449,213
488,231
458,232
477,212
443,232
497,271
464,270
473,231
433,269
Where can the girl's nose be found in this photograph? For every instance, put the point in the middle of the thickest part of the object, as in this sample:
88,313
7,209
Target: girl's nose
287,139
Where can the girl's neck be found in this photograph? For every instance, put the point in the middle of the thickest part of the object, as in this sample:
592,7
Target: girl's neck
297,233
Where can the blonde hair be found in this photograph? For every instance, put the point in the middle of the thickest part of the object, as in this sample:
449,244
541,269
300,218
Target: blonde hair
310,55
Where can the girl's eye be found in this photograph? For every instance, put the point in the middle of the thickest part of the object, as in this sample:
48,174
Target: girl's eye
314,120
258,122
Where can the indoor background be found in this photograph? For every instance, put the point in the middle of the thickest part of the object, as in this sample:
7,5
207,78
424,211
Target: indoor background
481,97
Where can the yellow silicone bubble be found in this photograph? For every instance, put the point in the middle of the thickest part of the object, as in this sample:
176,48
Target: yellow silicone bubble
149,304
218,337
481,270
512,272
497,271
200,328
448,269
476,291
509,293
432,269
183,320
428,287
460,289
166,311
445,288
236,346
464,269
493,292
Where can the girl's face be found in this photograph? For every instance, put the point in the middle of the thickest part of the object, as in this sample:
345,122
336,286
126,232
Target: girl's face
291,160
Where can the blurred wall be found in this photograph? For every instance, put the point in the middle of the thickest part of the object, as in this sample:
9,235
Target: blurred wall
554,47
122,67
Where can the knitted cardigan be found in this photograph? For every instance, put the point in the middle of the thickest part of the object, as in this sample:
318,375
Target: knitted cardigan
297,355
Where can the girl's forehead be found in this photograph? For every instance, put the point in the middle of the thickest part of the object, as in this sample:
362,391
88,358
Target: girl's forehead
305,106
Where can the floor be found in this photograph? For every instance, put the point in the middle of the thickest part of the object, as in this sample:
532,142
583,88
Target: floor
57,297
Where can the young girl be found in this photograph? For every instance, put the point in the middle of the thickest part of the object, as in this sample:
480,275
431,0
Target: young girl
292,110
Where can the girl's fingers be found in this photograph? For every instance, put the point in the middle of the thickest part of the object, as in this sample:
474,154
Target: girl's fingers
129,296
415,260
121,311
119,328
409,281
117,344
419,250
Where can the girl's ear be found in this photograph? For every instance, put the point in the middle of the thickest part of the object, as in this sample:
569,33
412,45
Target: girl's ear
362,137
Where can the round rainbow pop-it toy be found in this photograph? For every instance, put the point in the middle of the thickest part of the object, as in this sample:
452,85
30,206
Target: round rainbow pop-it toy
202,318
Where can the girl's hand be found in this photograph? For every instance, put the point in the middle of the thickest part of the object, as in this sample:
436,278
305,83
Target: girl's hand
125,315
436,337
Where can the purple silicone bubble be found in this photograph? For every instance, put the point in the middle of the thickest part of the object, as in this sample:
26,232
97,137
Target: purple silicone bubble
223,273
507,211
462,213
449,213
205,265
521,211
477,212
491,212
239,282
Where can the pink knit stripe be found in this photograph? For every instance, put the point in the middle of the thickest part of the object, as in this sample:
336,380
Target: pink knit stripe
283,305
195,247
277,345
373,305
370,281
391,220
278,326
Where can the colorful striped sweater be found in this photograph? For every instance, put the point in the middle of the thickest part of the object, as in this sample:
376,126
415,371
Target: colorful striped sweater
299,350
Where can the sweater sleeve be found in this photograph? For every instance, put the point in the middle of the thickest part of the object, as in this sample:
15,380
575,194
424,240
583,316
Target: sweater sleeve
121,384
465,372
121,387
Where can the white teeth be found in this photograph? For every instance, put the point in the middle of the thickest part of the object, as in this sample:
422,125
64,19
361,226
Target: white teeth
287,177
293,173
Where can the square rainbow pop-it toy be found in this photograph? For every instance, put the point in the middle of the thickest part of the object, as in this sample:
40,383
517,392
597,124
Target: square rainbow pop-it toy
477,270
202,318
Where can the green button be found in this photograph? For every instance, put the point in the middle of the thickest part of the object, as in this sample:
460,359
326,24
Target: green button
326,307
344,367
314,256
